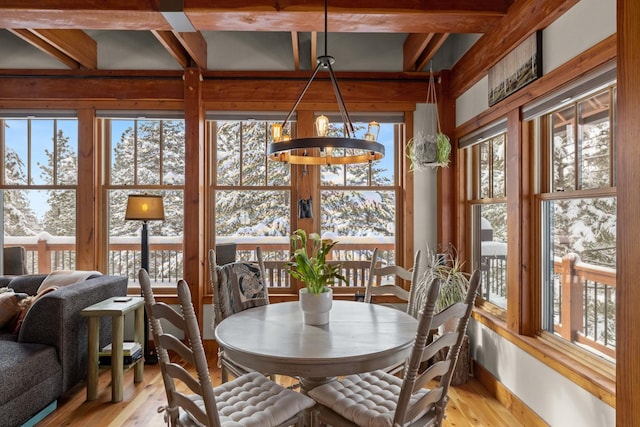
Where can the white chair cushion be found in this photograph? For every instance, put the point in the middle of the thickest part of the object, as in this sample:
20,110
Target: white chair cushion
365,399
253,400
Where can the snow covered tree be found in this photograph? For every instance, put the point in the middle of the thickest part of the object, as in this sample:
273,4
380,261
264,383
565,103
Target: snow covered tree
19,218
61,169
241,162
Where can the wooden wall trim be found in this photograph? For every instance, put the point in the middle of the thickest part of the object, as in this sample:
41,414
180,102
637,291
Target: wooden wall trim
516,268
628,228
523,18
598,55
87,191
583,375
509,400
448,190
194,189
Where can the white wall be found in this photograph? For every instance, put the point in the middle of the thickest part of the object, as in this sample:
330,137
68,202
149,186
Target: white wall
553,397
424,188
584,25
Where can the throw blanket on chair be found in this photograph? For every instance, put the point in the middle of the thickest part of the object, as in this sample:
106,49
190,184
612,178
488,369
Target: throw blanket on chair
240,286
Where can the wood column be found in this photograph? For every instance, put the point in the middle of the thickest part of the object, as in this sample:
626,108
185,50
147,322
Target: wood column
450,200
194,189
87,191
628,227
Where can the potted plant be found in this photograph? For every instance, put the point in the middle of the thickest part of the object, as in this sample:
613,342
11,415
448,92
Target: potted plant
454,283
312,269
430,151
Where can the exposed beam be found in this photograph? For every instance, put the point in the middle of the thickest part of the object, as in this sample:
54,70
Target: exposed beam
314,50
412,48
429,52
173,46
189,49
418,49
410,16
37,42
73,48
523,19
196,47
296,50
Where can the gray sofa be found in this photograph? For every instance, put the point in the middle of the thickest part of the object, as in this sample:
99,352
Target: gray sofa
49,354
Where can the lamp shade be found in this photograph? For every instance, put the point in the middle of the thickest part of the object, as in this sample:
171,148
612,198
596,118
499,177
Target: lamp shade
144,207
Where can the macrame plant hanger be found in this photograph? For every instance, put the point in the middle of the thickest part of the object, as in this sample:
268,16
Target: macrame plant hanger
433,148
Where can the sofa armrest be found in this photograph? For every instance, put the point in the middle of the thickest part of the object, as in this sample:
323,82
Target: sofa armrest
55,319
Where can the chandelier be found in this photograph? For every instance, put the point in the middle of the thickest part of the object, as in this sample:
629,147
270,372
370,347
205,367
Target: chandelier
320,149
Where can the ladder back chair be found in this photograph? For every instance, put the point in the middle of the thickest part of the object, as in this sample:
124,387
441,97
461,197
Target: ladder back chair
417,400
376,287
251,400
235,286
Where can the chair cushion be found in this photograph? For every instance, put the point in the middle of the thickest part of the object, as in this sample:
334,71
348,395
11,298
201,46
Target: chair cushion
255,400
368,399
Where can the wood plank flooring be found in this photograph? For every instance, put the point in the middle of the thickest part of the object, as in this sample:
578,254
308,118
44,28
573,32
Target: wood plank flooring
470,405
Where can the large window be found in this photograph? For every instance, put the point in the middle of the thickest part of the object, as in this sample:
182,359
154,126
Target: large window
359,202
145,156
578,211
489,216
38,189
251,194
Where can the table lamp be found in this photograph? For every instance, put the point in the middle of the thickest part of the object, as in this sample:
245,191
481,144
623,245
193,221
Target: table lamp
145,207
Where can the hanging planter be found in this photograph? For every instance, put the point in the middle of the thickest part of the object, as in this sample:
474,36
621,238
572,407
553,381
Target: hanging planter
433,149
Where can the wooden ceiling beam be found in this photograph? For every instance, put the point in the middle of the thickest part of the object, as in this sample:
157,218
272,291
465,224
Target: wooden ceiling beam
45,47
173,46
74,48
196,47
429,52
189,49
410,16
295,45
412,48
523,19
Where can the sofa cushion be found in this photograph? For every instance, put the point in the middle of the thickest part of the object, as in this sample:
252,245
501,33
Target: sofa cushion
28,365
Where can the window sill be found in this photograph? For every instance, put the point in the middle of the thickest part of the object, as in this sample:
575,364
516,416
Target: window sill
596,378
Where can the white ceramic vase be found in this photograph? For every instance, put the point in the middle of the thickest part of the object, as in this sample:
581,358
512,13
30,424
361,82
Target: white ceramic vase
315,307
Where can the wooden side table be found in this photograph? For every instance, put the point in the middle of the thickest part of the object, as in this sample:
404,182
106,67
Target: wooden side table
116,308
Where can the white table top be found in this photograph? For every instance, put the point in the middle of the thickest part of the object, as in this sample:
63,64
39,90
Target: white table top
359,338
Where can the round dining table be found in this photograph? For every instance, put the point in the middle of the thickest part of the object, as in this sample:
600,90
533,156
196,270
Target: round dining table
359,337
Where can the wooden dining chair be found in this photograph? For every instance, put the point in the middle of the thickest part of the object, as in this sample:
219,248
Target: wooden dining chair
235,286
381,399
250,400
378,273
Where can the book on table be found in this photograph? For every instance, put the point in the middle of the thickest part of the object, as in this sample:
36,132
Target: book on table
131,352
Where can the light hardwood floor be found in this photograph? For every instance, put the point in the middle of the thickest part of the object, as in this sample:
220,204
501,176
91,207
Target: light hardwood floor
470,404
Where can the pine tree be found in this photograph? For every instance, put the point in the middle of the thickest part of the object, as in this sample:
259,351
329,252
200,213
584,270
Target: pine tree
61,169
19,218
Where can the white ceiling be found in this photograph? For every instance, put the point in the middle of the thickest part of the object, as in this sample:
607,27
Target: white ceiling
242,51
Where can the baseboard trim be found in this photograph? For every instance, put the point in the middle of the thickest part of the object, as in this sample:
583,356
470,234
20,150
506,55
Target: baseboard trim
41,415
509,400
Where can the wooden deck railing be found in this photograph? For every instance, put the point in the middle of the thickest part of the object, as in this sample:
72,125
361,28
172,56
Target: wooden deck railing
584,294
46,253
584,299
